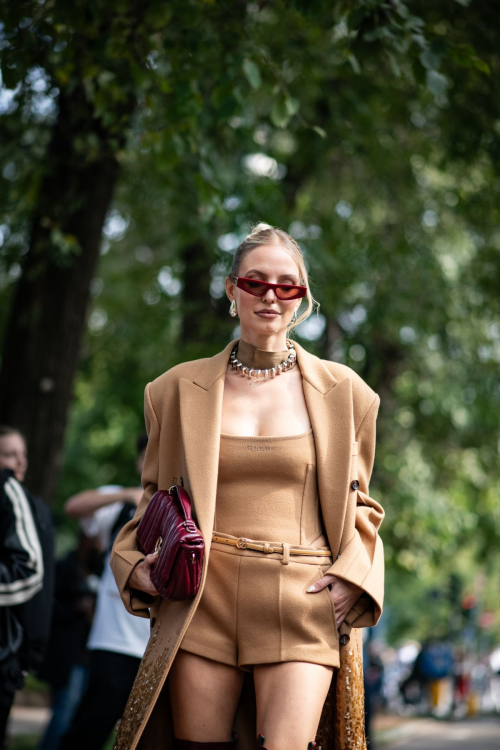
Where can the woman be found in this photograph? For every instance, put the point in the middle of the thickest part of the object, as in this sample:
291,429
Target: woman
288,458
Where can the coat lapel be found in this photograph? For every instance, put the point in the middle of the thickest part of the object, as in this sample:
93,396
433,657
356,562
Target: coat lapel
201,412
329,404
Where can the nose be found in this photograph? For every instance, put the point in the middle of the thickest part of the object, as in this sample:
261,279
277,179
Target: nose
270,296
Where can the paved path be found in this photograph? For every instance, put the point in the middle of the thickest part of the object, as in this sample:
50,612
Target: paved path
427,734
28,720
412,734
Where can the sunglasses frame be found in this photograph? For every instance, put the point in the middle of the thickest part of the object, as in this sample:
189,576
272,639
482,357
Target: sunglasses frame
301,290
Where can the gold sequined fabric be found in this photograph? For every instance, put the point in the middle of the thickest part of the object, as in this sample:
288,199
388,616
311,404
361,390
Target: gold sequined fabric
152,670
342,725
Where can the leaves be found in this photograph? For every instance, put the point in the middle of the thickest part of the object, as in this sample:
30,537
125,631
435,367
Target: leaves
292,105
465,55
430,59
436,83
252,73
319,131
280,114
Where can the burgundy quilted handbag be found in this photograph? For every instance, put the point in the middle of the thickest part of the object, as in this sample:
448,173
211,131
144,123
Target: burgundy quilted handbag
168,529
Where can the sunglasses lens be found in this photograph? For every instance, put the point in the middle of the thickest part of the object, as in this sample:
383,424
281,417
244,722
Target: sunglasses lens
293,292
252,287
287,292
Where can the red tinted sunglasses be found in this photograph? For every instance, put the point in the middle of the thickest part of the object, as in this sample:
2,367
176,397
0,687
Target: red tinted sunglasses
259,288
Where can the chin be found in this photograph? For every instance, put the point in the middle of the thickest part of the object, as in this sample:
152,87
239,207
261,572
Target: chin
273,325
268,330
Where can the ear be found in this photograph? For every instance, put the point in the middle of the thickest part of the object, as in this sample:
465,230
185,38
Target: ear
230,289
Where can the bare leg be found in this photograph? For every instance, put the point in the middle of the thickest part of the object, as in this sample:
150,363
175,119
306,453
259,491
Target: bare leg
290,698
204,695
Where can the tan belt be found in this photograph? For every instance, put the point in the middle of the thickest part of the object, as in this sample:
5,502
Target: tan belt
269,547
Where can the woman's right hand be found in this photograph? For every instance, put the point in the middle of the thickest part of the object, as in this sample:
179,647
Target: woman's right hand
140,578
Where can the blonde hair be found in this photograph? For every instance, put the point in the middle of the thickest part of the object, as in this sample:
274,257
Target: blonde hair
265,234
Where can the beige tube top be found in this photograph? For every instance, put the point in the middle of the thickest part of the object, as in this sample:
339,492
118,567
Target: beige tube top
267,489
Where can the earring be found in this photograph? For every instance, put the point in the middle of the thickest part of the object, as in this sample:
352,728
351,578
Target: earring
294,316
233,312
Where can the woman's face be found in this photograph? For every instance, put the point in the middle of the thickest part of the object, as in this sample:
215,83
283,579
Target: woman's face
265,315
13,455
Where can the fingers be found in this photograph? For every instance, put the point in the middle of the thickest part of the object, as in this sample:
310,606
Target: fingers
340,616
320,585
344,595
140,577
343,606
148,586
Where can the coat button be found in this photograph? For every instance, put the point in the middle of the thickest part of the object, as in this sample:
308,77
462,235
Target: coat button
344,639
354,484
153,622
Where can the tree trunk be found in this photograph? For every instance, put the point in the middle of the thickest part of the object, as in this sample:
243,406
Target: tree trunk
47,319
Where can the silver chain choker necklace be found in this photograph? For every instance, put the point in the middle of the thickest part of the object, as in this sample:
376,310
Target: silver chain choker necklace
269,373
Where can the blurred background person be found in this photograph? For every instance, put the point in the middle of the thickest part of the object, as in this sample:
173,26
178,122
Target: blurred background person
117,639
65,666
26,573
423,686
373,681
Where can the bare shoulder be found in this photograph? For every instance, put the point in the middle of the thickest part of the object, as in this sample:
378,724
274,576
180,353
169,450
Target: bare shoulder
364,397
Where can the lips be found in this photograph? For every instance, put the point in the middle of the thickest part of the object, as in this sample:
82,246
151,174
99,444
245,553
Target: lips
267,313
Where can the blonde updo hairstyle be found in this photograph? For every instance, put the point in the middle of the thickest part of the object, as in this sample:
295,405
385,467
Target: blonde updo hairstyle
265,234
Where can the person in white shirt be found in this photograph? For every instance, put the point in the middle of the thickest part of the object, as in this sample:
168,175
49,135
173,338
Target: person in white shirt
117,640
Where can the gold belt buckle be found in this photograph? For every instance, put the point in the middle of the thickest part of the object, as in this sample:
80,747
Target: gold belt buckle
242,543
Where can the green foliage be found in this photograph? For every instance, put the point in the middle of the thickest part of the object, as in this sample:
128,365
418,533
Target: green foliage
369,131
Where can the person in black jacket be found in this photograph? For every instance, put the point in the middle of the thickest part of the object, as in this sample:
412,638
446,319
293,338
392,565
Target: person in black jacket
26,573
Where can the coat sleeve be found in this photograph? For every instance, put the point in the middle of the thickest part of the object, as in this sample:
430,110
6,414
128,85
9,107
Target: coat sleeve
21,561
126,554
361,560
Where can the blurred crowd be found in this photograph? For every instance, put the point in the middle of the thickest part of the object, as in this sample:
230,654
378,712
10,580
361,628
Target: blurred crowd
63,620
435,678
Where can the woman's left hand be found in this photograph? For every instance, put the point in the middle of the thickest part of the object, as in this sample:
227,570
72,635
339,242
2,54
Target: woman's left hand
344,594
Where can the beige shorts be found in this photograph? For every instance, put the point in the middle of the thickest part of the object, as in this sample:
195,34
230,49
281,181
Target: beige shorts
256,610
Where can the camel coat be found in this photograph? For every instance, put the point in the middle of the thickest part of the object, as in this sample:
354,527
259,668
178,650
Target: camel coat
183,416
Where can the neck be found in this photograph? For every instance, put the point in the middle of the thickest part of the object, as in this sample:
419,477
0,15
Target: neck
260,359
276,342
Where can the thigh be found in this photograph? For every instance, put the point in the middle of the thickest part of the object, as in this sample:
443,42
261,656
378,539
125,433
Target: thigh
204,695
290,698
